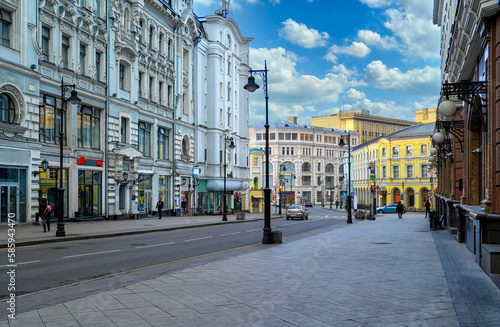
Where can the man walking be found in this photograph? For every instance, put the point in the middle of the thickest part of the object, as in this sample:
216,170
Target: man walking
400,209
159,206
427,208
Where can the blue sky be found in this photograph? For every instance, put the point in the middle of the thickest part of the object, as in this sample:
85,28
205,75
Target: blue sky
326,56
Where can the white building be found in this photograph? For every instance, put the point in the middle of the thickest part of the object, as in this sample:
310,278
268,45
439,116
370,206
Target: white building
309,159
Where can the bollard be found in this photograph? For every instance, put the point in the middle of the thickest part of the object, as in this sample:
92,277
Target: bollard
433,216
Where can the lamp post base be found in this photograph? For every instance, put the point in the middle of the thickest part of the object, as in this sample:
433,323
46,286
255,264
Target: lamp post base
60,230
267,238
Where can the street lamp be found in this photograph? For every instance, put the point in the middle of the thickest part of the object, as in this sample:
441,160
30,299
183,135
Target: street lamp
292,177
231,146
73,99
251,87
341,144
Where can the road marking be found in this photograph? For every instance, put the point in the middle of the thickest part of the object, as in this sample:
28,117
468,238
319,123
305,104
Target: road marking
92,253
230,234
21,263
153,245
252,230
197,239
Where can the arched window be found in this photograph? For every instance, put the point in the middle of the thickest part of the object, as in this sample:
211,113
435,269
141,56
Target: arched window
287,167
7,109
255,183
329,168
306,167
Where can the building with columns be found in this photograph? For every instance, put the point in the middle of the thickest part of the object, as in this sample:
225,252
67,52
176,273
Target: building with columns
308,158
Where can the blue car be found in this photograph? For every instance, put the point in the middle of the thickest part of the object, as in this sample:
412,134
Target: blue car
388,208
308,204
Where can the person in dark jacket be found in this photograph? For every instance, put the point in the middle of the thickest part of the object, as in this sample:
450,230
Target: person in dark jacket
159,206
400,209
427,208
44,213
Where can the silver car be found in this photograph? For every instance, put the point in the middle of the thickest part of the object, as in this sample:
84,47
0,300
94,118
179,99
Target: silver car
297,211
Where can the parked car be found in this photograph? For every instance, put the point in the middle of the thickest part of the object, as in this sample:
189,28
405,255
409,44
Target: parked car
297,211
388,208
308,204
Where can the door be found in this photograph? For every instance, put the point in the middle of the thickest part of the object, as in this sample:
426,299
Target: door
9,203
255,205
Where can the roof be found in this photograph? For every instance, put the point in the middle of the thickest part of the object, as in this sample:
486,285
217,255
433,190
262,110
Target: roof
288,124
419,130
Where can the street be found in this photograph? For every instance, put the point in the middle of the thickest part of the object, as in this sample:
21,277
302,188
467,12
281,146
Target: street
50,265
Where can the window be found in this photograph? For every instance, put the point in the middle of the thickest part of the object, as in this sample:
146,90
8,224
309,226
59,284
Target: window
294,136
384,172
255,161
6,27
272,136
124,76
423,150
98,4
409,171
306,167
319,180
160,44
258,136
423,172
281,136
151,88
163,143
395,151
329,168
89,132
288,136
141,77
45,43
145,139
65,51
319,167
395,172
83,58
306,180
409,150
7,109
98,66
50,119
123,130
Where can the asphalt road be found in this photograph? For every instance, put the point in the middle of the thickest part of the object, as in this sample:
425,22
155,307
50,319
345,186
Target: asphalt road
50,265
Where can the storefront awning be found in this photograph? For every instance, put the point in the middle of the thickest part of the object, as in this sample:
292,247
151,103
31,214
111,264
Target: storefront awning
257,196
217,185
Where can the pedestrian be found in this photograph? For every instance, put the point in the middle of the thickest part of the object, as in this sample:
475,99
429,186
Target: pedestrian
337,204
159,206
184,208
44,213
400,209
427,208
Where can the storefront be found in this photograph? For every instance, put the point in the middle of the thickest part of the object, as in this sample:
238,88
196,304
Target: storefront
47,187
89,193
13,194
145,200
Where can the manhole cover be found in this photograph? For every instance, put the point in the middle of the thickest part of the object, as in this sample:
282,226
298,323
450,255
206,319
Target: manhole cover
379,243
138,244
60,248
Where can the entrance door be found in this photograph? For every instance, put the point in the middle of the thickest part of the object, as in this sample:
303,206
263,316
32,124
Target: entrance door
255,205
9,203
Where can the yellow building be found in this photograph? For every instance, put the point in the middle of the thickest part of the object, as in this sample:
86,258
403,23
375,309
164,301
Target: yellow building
401,169
368,127
426,116
258,174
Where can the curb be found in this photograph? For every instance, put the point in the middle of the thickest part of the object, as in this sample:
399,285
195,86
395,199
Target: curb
124,233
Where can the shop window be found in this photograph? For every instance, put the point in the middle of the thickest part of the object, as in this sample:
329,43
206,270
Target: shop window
89,193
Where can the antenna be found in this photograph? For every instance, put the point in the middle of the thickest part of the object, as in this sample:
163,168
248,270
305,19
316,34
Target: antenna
225,8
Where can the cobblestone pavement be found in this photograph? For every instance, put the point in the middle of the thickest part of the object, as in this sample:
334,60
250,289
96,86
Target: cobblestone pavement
387,272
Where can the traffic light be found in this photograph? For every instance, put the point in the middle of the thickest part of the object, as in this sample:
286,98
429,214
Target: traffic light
372,186
281,188
274,197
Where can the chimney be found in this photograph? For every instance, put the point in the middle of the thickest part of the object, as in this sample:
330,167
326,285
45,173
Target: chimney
292,119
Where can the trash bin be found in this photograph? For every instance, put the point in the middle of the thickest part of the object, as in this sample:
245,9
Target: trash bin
433,216
240,216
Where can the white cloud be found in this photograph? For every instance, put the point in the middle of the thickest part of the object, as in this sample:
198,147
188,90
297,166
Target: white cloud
289,91
377,3
356,49
373,38
419,81
420,37
353,94
301,35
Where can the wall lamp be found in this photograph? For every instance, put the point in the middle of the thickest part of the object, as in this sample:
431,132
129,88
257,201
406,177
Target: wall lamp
45,165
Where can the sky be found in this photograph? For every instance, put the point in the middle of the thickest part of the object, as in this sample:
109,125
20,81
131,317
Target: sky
326,56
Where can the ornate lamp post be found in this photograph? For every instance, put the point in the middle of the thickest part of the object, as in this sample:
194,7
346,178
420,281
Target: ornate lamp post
73,99
231,145
341,143
251,87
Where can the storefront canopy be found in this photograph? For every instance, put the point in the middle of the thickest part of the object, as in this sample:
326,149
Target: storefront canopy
217,185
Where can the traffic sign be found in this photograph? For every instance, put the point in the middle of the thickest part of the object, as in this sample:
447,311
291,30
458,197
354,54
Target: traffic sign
432,179
281,177
372,177
372,171
352,193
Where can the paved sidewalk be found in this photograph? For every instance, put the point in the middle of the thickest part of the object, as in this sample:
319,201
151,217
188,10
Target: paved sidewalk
387,272
33,234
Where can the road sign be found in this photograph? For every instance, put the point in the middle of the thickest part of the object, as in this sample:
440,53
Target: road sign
372,165
372,171
352,193
432,185
372,177
281,177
